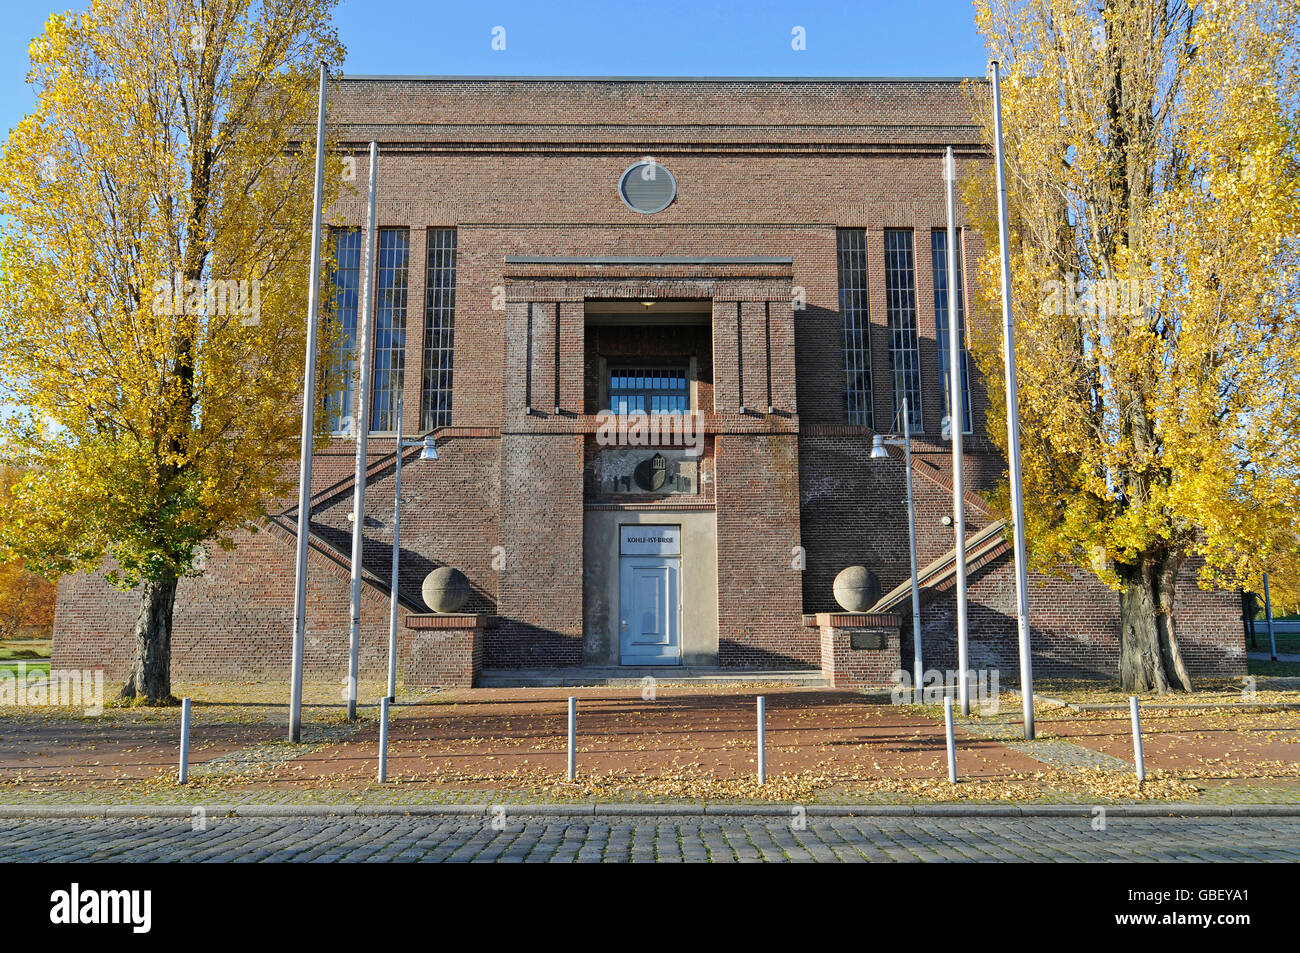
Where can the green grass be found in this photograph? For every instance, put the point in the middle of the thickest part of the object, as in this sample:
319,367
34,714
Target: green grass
10,665
33,653
24,649
1265,667
1286,641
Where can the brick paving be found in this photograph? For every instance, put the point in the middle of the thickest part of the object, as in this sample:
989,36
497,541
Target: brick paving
506,746
1055,752
268,755
744,839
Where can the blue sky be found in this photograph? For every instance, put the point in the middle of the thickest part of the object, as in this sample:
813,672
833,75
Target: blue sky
628,38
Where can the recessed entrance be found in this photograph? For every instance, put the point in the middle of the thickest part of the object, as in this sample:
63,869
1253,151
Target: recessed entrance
653,356
650,603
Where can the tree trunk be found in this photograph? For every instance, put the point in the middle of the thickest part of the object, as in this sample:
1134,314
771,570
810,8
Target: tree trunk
1149,657
151,672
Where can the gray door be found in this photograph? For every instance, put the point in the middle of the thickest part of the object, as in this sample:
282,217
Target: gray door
650,610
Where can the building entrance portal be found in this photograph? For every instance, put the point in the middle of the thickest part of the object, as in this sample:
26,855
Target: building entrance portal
650,604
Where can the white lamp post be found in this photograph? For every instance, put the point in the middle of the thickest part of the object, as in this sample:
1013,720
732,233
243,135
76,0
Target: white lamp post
957,427
430,452
363,429
308,432
1013,422
878,452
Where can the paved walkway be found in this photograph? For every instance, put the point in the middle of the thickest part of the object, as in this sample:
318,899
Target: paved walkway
663,839
669,744
1055,752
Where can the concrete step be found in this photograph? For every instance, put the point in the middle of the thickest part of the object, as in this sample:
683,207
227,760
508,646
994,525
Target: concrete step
631,675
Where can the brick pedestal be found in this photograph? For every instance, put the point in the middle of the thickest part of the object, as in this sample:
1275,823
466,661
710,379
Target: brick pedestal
442,651
859,649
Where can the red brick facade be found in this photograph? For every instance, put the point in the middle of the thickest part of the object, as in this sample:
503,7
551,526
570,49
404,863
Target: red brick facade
527,173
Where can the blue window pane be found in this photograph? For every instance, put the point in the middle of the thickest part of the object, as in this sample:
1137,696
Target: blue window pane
658,390
390,327
851,247
939,255
346,276
439,325
900,313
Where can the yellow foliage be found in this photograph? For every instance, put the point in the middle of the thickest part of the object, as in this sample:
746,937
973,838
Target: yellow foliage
1153,170
170,150
26,599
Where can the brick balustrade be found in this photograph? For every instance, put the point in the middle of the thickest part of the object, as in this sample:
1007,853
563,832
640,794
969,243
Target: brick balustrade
443,651
859,649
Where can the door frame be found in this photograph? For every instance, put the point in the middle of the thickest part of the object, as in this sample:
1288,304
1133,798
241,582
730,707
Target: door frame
667,552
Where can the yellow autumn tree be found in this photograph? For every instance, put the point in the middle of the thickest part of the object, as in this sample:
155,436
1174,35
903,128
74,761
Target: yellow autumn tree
1153,166
155,210
26,599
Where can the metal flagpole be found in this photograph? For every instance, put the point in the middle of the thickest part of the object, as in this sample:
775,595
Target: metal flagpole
363,430
397,549
911,545
1013,420
308,430
957,424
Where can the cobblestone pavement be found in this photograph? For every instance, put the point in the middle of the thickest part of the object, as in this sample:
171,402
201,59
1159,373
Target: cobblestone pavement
670,839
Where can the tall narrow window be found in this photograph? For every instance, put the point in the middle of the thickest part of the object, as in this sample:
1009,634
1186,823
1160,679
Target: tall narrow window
390,328
439,325
939,253
346,273
851,247
900,312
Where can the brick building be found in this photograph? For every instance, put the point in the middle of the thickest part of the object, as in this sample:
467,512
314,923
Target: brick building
762,264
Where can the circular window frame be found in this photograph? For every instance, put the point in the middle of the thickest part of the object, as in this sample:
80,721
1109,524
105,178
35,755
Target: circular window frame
640,163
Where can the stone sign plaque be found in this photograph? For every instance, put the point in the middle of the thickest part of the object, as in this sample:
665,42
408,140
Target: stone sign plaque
866,639
643,540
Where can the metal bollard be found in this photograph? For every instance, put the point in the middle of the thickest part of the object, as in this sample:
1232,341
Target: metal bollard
383,739
1137,739
573,738
762,739
952,744
185,741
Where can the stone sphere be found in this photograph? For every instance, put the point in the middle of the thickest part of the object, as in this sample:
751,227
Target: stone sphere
856,589
445,589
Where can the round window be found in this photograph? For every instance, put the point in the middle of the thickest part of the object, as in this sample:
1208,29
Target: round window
647,187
